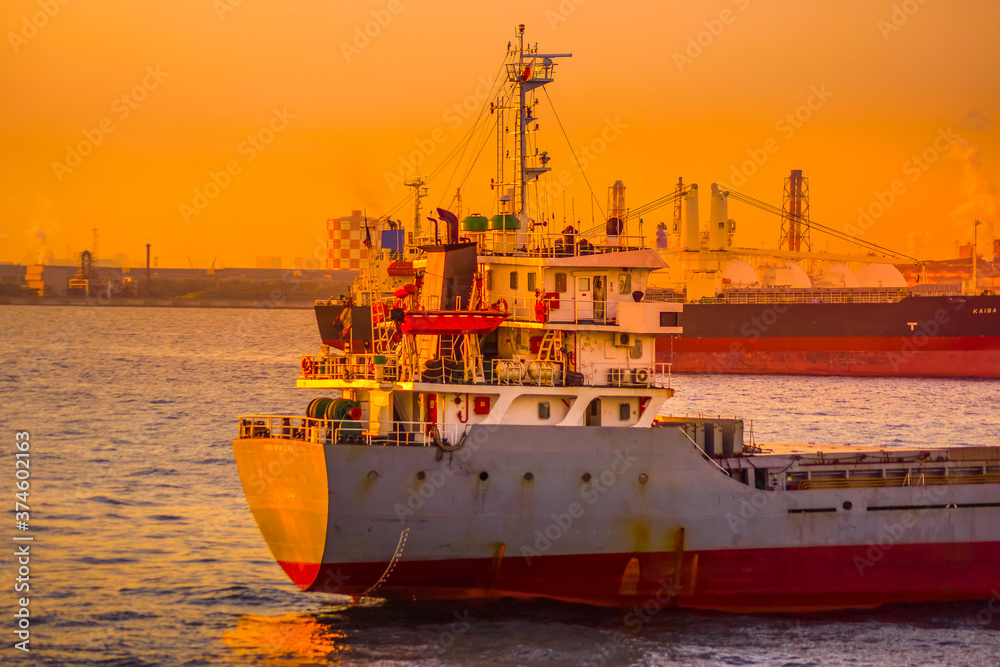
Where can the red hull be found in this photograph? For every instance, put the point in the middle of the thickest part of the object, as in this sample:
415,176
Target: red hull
951,356
737,580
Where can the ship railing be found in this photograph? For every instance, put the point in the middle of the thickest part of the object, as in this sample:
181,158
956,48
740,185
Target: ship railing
809,295
536,243
349,432
555,308
656,375
539,70
378,367
555,374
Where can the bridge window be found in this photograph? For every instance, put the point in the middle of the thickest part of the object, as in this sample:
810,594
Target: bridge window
668,319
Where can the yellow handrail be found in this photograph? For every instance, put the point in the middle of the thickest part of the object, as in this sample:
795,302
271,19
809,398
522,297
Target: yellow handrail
878,482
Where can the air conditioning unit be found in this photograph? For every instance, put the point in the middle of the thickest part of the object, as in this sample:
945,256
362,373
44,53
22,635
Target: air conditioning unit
623,340
641,376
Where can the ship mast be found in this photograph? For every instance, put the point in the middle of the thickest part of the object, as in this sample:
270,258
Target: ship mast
419,192
526,74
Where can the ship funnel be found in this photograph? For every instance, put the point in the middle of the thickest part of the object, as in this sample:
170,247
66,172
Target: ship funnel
718,222
452,220
692,230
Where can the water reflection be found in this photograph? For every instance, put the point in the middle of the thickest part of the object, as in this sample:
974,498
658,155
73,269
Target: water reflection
290,639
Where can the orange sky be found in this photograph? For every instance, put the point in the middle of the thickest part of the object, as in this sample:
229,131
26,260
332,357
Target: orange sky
210,73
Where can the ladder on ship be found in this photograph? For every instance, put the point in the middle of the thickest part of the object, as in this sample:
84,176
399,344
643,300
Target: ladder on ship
462,350
550,348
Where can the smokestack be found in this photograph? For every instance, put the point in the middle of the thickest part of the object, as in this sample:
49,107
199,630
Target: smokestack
692,231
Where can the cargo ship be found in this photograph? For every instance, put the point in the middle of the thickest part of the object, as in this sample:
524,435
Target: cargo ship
794,311
789,311
473,441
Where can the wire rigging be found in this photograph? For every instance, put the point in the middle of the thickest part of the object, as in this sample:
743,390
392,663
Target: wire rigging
843,236
460,147
573,151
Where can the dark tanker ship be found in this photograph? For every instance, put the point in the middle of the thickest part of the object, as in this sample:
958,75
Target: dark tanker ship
799,312
916,336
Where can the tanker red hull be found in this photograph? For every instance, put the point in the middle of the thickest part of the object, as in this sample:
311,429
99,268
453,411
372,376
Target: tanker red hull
737,580
918,336
900,357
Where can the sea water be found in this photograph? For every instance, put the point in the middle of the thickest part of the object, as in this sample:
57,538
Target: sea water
144,551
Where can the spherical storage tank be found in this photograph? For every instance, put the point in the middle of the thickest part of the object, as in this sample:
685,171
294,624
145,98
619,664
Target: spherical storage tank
880,275
789,274
740,274
837,274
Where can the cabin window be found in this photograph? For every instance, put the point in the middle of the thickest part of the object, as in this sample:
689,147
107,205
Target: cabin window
668,319
544,412
489,279
625,283
636,350
513,279
583,284
624,412
532,276
560,282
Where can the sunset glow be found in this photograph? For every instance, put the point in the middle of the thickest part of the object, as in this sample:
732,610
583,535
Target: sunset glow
220,130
